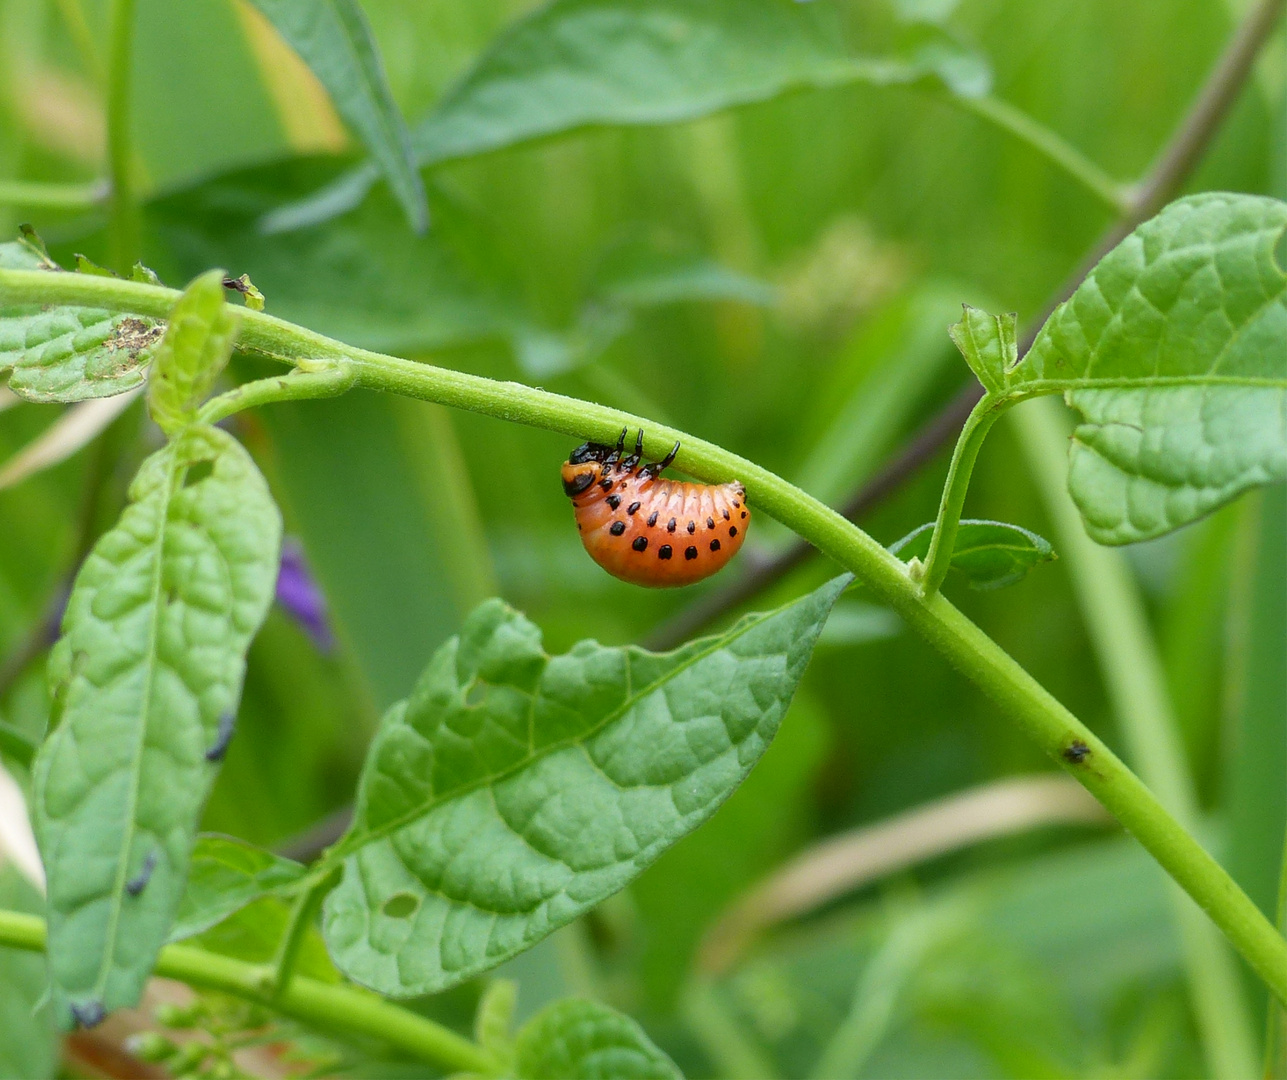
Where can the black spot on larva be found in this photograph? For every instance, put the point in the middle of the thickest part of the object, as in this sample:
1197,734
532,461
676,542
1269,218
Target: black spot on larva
670,525
1076,752
692,527
743,513
664,552
725,515
652,519
640,544
606,485
736,504
632,508
88,1014
618,527
714,545
139,881
732,530
690,553
223,737
578,483
710,523
614,501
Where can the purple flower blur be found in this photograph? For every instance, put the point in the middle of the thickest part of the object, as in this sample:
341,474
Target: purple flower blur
301,597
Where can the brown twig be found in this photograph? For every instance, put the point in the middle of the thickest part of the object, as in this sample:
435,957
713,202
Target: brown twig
1160,184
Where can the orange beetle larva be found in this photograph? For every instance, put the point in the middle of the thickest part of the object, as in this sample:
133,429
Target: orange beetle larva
647,530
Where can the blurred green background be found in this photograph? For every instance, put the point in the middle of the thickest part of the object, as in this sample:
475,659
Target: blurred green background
777,278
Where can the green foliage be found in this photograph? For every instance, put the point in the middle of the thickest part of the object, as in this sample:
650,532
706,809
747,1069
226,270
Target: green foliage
146,679
988,554
335,41
583,1040
630,62
1173,352
196,347
29,1048
224,875
69,353
513,790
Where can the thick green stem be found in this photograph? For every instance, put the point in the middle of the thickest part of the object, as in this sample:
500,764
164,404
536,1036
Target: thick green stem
123,223
939,556
976,655
327,1006
1133,674
41,196
1046,142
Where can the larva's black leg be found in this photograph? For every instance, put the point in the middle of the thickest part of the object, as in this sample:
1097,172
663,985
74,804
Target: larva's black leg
633,459
651,472
620,448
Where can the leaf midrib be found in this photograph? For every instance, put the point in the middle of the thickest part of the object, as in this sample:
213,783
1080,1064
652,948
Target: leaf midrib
343,851
136,766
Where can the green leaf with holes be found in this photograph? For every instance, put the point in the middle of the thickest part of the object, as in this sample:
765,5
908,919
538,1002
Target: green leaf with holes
513,790
578,1039
195,349
224,875
577,63
1174,352
988,554
69,353
146,678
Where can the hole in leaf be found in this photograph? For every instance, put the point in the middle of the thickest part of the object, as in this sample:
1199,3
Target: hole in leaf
1280,253
400,906
197,472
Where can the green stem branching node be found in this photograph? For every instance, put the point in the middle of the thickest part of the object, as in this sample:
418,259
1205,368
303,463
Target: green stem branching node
964,645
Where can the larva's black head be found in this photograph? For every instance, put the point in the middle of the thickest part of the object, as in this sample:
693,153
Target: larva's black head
597,451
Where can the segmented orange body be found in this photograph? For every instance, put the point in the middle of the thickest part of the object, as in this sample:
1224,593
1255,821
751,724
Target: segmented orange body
648,530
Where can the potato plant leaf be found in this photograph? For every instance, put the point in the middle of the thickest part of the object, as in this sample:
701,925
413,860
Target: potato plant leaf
146,680
1174,352
988,554
69,353
333,38
578,1039
224,875
577,63
195,349
988,344
513,790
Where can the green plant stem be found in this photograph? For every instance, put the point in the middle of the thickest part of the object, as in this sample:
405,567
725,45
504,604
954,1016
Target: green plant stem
1046,142
1133,674
967,647
41,196
327,380
302,915
966,453
327,1006
123,222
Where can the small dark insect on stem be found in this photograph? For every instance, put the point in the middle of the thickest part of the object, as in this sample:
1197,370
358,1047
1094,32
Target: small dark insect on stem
223,737
1076,752
139,881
